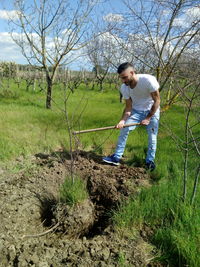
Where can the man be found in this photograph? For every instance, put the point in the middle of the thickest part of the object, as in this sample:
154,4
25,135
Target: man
142,105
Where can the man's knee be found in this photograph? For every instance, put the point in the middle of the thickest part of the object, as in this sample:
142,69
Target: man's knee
152,128
124,131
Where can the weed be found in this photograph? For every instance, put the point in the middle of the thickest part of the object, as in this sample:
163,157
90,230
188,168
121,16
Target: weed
73,192
122,259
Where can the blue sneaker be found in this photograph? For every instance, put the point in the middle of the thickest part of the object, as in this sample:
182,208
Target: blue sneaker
112,160
150,166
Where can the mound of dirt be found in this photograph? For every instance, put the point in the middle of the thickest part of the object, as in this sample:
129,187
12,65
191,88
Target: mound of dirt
32,232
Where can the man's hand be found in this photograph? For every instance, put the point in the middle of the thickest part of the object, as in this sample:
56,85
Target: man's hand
120,125
156,98
145,121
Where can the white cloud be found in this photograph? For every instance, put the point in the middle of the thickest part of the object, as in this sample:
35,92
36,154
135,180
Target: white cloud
6,15
179,22
108,38
193,13
9,51
190,16
67,32
113,17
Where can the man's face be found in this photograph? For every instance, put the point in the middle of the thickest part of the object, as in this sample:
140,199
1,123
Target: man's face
127,76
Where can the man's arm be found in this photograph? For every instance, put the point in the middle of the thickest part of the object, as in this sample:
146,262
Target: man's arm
156,98
126,113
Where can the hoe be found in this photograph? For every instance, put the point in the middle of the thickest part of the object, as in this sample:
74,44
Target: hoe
103,128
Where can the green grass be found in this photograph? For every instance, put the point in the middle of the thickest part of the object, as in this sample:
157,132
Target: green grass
27,127
73,192
122,260
175,224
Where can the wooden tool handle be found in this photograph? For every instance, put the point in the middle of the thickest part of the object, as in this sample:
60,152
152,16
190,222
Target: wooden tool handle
103,128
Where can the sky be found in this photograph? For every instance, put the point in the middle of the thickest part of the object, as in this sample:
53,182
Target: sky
108,9
9,51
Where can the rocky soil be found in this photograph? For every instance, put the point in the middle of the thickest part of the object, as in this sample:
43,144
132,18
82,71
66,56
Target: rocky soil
31,234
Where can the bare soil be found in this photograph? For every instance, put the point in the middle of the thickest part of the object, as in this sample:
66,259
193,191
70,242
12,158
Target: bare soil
37,230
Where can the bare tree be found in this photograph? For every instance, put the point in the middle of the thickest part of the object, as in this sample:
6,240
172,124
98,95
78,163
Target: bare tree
188,143
157,34
49,32
100,52
191,144
105,55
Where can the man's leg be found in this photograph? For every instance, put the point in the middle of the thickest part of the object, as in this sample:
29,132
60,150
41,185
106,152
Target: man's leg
124,132
114,159
152,130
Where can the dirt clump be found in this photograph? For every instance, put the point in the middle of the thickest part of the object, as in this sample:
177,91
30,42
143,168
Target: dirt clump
74,221
81,235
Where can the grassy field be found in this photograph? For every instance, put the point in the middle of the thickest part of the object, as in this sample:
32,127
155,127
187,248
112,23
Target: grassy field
27,127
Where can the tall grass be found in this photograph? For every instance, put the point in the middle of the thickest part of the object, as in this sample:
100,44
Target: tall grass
73,192
176,225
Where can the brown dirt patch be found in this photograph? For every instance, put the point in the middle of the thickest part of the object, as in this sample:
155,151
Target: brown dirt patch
28,199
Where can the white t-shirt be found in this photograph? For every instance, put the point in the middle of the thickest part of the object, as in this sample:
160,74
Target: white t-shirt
140,94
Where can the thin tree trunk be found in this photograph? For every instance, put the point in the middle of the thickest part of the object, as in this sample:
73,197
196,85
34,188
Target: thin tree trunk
185,175
195,185
186,152
101,86
49,93
34,84
69,130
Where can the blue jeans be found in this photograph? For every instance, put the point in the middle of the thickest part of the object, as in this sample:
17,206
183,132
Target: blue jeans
152,130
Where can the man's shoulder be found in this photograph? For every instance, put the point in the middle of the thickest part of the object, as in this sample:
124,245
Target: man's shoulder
147,77
148,81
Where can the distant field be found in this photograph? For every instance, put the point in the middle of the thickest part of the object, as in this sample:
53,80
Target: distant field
27,127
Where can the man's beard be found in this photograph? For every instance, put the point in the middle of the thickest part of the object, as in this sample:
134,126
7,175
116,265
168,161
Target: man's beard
128,83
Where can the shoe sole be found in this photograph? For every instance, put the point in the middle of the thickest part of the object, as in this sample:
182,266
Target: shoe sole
113,163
